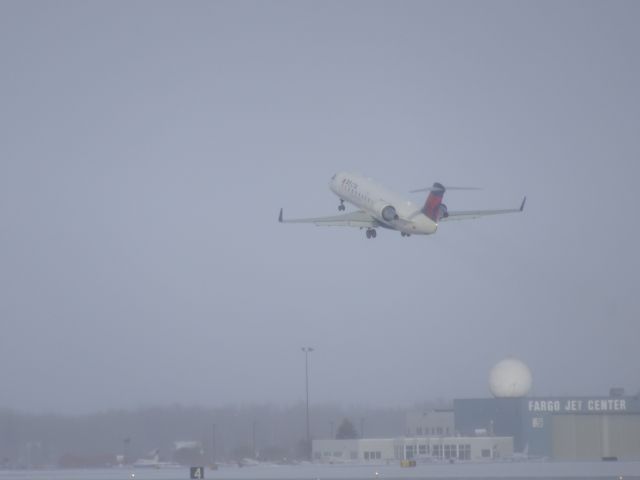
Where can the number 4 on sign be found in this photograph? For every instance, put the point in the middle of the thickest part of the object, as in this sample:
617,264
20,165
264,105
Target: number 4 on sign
197,473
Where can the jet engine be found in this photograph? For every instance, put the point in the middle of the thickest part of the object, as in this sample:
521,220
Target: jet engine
387,212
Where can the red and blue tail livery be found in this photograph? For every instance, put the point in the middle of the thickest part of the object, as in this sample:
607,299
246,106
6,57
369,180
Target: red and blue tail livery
433,207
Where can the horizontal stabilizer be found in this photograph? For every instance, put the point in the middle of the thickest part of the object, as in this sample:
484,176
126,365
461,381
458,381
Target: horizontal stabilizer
467,215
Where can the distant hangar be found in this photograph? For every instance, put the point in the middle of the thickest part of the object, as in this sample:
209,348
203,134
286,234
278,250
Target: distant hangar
560,428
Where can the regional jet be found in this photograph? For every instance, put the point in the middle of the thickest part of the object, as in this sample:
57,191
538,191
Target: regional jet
379,207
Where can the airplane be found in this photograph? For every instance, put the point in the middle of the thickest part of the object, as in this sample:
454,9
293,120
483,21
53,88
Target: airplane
153,461
382,208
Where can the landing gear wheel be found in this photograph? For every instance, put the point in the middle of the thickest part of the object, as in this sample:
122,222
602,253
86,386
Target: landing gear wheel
341,207
368,233
373,234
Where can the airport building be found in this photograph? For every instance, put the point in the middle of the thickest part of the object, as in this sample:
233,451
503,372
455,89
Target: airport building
433,422
558,428
429,448
510,424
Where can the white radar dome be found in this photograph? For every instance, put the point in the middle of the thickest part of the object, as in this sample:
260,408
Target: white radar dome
510,378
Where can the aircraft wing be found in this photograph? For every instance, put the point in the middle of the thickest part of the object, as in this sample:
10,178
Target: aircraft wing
359,219
467,215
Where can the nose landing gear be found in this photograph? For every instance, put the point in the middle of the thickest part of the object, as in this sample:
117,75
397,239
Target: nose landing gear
371,233
341,207
405,234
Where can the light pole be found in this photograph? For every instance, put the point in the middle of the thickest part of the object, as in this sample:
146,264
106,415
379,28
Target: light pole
213,444
253,438
307,351
125,454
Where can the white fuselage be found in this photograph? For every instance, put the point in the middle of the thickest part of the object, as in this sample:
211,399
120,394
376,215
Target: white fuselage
371,197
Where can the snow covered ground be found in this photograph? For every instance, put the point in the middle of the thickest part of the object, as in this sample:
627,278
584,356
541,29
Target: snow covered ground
518,470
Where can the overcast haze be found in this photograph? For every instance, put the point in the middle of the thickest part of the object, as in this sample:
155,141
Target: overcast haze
146,148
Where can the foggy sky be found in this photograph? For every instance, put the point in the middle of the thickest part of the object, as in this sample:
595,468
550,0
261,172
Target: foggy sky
146,148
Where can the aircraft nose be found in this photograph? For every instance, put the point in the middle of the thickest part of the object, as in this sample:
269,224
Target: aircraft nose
333,180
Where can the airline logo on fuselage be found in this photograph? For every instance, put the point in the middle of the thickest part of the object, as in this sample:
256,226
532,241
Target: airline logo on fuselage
347,183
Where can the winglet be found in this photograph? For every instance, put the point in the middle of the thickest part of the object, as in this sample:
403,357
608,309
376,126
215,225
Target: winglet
521,206
280,216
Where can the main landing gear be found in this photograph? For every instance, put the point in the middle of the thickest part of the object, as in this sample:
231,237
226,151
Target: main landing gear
371,233
405,234
341,207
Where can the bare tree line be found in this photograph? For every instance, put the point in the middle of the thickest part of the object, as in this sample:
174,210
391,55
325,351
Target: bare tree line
264,432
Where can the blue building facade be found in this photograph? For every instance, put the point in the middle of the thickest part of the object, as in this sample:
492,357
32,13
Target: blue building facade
557,427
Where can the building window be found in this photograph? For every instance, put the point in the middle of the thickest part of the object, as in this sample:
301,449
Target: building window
372,455
486,453
439,430
398,451
409,452
422,449
464,452
437,451
337,454
419,431
450,451
354,455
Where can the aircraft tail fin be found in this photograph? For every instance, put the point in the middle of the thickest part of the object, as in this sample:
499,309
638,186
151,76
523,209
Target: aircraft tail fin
433,207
